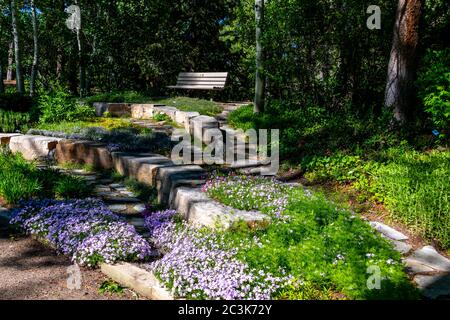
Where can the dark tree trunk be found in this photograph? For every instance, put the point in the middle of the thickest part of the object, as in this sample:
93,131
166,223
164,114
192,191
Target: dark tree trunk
34,68
259,82
9,72
15,28
402,70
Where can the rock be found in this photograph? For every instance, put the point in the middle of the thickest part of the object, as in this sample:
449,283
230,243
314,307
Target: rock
84,152
168,177
6,137
184,117
414,267
429,257
33,147
119,109
137,279
170,111
142,111
388,231
117,208
140,166
401,247
139,208
199,125
435,286
198,209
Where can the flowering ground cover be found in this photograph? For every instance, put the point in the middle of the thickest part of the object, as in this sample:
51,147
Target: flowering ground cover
320,247
198,264
85,229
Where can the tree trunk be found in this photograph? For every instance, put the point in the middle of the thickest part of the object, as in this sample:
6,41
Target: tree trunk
9,72
34,68
2,87
15,27
401,71
81,61
259,82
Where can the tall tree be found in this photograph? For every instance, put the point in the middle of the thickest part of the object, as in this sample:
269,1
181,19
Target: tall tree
401,71
9,71
259,81
34,67
15,30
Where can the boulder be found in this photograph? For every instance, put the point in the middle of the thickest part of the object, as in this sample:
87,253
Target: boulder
84,152
184,117
6,137
33,147
199,210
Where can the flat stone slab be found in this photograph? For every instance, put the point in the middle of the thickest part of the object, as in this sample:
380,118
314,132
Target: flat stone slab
429,257
142,167
170,111
401,247
199,210
6,137
434,287
33,147
199,125
137,279
184,117
169,177
414,267
84,152
388,231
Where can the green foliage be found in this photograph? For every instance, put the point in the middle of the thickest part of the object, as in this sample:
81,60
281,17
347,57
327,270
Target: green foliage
14,121
413,185
434,88
118,97
76,126
161,117
327,248
110,286
59,106
143,191
204,107
21,180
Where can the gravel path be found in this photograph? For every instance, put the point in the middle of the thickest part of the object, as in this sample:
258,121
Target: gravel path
31,271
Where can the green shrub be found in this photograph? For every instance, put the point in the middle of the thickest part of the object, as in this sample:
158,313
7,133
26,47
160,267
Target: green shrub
415,187
21,180
434,88
14,121
59,106
118,97
161,117
324,246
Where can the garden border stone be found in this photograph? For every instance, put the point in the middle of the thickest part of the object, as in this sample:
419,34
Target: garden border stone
84,152
33,147
6,137
137,279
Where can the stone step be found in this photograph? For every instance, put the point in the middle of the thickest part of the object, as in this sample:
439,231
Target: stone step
84,152
199,210
6,137
33,147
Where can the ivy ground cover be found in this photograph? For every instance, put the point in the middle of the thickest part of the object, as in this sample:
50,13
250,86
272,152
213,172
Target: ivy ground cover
312,250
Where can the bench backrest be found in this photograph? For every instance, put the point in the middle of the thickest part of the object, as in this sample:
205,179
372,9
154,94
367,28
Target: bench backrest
202,80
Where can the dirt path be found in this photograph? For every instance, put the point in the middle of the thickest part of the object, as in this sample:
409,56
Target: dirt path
30,271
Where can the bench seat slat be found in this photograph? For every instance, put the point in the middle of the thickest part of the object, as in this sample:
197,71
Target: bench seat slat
201,81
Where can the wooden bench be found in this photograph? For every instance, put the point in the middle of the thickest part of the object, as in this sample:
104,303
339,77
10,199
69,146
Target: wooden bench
201,81
9,82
